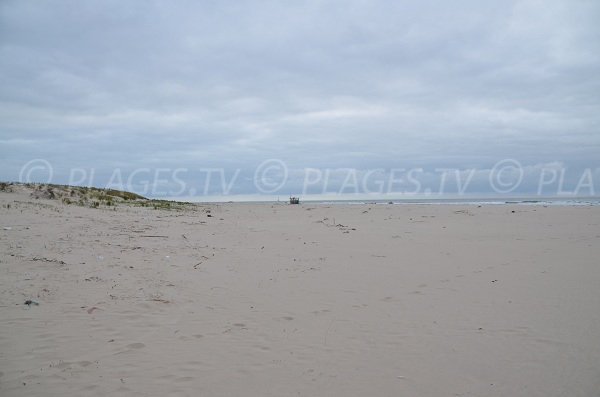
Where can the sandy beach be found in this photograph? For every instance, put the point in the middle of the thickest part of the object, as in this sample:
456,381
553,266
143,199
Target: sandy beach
298,300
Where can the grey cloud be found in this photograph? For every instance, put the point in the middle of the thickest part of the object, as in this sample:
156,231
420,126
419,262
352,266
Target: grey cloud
319,84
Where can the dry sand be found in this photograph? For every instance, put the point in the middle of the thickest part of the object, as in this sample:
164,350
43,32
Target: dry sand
308,300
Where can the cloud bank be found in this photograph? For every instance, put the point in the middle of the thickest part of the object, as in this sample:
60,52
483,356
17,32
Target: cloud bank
323,85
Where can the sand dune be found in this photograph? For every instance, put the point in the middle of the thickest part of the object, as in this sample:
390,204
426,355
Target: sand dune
308,300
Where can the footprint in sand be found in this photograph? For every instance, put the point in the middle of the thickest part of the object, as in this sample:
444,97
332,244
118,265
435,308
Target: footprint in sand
71,364
137,345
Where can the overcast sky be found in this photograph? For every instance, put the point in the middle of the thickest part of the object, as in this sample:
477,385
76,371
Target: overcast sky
318,84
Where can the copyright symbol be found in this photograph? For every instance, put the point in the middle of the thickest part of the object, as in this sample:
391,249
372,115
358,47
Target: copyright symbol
506,176
36,166
270,176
